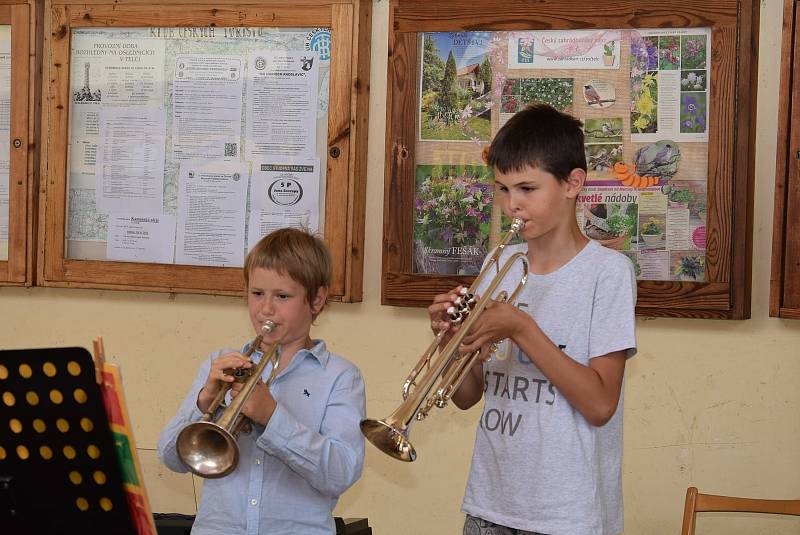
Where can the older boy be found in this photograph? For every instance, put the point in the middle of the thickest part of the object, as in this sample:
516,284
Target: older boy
548,449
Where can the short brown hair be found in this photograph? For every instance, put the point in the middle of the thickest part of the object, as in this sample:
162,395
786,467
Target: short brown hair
540,137
297,253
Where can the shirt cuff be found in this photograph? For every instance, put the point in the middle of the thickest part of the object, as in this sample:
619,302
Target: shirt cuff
280,429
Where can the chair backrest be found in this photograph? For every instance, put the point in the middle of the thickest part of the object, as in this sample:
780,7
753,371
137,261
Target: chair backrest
697,502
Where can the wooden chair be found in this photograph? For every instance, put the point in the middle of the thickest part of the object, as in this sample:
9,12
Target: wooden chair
697,502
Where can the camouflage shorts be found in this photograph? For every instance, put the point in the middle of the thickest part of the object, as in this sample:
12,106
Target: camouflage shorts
478,526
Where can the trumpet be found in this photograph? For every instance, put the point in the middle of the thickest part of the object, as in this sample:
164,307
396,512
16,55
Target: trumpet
447,370
209,449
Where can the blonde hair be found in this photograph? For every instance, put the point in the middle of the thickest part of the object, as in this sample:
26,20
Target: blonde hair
297,253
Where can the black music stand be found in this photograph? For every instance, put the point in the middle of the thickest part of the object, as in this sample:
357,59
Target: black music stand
59,473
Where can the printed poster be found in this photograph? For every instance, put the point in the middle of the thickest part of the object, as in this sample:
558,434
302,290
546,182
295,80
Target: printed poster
455,84
670,80
452,208
567,49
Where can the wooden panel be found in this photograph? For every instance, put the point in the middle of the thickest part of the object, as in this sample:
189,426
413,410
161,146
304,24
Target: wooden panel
782,160
54,164
359,124
427,16
400,147
731,137
298,15
17,269
18,177
791,266
339,144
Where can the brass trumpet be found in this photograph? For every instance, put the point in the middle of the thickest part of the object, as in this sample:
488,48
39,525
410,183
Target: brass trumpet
449,368
209,449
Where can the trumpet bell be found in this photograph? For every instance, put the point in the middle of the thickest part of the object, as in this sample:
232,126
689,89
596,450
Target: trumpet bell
207,449
389,439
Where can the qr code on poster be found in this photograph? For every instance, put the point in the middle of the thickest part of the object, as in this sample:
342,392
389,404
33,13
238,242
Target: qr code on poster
231,149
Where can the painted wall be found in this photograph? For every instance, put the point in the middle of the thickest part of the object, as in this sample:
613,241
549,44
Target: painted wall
709,403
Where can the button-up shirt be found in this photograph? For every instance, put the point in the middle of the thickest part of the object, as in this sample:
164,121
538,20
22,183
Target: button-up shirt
291,472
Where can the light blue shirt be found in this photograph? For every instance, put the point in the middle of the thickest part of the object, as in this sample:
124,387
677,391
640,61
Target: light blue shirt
291,472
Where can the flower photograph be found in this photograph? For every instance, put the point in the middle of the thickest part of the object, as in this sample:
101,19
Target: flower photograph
452,209
693,52
669,53
694,81
693,113
644,103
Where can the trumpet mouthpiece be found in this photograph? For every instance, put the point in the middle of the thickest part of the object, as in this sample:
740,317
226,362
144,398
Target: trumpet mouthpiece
268,327
517,224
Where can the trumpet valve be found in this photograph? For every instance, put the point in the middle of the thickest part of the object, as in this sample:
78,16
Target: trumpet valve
239,375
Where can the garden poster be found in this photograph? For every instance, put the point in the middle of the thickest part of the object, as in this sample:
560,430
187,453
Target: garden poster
452,207
643,97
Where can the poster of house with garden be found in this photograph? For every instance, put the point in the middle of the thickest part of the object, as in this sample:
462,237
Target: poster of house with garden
455,86
452,210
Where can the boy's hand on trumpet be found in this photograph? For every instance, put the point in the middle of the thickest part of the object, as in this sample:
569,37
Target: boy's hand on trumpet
437,311
499,321
217,377
260,405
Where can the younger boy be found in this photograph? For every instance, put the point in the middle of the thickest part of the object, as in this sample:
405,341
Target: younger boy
548,449
305,448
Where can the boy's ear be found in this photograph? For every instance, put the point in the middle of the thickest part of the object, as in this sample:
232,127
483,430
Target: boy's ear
319,300
575,182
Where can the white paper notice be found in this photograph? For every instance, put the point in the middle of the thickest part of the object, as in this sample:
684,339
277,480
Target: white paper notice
130,160
207,107
284,194
564,49
281,102
212,201
137,238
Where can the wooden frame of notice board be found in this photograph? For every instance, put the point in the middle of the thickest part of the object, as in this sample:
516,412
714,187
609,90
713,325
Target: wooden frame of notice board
344,160
724,290
17,266
784,301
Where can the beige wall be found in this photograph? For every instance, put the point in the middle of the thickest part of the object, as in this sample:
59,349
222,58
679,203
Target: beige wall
709,403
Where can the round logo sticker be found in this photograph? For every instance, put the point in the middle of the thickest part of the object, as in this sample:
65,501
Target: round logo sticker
319,40
285,192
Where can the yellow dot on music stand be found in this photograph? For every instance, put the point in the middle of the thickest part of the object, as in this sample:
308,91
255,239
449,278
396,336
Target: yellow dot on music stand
56,397
2,453
62,425
3,372
46,453
99,477
9,399
22,452
69,452
75,477
15,425
86,424
32,398
106,504
80,395
74,368
25,371
93,451
82,504
49,369
39,425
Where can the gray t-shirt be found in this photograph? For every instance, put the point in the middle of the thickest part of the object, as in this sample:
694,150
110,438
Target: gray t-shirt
538,465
